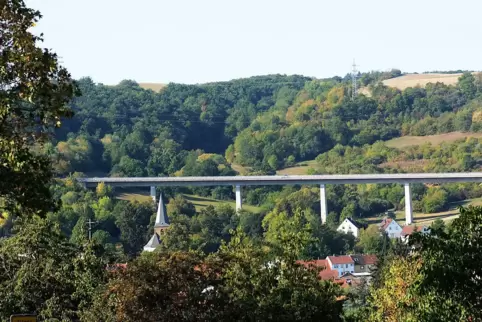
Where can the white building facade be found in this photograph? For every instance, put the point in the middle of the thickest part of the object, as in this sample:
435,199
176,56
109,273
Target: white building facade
349,227
342,264
391,228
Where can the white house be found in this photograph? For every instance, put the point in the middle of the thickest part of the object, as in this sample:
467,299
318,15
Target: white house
390,227
348,226
343,264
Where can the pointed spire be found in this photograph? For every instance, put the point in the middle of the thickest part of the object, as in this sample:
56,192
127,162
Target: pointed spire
152,243
161,218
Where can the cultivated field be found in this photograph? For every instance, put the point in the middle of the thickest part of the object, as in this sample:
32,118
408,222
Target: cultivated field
405,141
156,87
413,80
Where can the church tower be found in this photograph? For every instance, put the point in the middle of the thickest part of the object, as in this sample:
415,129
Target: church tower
160,226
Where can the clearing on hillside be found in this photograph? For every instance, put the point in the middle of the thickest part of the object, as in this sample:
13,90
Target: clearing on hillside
199,202
413,80
156,87
406,141
202,202
300,169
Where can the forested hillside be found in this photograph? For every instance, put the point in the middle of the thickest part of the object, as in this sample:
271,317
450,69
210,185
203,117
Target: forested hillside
265,123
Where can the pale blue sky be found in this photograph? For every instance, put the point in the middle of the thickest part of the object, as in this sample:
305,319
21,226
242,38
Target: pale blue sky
194,41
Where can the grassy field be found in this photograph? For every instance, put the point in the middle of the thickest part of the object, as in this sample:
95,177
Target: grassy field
427,219
198,201
412,80
202,202
300,169
405,141
242,170
156,87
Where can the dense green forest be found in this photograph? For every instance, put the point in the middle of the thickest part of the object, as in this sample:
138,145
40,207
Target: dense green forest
266,122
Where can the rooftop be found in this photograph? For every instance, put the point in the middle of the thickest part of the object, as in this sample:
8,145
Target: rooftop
162,220
408,230
364,259
152,243
344,259
385,223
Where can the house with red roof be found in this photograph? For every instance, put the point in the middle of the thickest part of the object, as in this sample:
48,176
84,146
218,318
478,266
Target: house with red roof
408,230
342,264
390,227
364,263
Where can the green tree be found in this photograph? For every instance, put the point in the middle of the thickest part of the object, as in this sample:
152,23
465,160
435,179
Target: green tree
467,85
42,272
435,200
372,241
133,221
34,91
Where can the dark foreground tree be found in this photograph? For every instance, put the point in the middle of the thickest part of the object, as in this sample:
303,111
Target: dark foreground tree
42,273
237,283
34,91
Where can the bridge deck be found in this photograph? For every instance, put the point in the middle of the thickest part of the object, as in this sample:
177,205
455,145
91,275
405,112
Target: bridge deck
286,180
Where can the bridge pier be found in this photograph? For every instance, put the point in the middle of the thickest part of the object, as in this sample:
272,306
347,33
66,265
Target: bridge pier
323,204
239,200
408,204
153,193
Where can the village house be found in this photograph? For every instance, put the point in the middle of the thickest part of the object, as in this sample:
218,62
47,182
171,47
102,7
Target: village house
349,226
344,270
408,230
364,263
390,227
342,264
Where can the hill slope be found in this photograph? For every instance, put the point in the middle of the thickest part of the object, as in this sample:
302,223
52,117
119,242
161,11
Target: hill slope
413,80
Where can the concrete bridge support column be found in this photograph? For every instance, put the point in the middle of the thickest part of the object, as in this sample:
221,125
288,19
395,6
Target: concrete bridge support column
239,200
408,204
323,204
153,193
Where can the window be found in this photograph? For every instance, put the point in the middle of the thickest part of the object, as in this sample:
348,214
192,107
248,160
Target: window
335,266
389,228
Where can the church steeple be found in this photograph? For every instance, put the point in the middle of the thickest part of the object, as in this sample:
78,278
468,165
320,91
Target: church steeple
162,220
161,224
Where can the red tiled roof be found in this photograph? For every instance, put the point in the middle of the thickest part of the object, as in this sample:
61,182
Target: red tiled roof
408,230
385,223
326,273
345,259
353,282
115,267
329,274
316,263
364,259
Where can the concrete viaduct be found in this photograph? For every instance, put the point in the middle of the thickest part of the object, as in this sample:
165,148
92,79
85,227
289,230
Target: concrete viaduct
322,180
